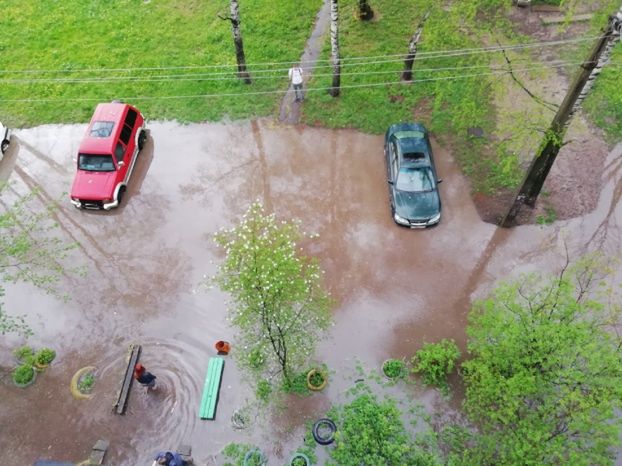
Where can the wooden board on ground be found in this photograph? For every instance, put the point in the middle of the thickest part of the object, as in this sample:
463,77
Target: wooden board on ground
211,388
128,377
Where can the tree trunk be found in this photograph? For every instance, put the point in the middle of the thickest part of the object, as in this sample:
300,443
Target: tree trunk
334,47
365,11
407,74
543,161
237,40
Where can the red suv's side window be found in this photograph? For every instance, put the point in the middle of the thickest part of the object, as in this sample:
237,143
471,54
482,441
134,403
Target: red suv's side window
130,118
119,151
126,133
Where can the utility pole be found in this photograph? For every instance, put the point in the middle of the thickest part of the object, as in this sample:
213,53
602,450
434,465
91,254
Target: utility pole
553,139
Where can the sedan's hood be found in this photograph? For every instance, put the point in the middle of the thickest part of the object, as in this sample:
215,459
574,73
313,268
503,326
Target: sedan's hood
417,206
93,185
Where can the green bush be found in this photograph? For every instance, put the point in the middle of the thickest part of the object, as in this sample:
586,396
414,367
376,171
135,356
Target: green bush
24,353
264,390
85,385
256,359
394,368
297,384
45,356
435,361
23,374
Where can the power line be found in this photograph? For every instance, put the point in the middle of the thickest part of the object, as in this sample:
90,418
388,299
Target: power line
422,55
255,93
206,76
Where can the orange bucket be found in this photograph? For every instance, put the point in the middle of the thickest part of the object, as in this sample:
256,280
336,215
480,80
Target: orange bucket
223,347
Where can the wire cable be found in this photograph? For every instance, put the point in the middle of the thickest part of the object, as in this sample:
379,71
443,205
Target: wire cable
202,76
420,55
282,91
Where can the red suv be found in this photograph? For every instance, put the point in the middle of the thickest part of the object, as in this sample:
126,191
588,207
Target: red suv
107,155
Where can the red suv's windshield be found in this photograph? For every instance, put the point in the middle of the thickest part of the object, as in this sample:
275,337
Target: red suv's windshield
95,163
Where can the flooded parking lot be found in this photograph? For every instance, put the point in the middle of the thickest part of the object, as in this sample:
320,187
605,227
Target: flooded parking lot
145,261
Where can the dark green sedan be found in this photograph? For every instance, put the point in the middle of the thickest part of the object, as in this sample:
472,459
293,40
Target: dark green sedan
413,182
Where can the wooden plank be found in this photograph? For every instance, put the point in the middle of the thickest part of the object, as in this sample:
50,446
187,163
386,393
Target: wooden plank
98,452
211,388
128,377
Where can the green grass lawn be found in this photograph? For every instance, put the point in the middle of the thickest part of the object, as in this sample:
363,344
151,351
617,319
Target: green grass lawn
119,38
175,59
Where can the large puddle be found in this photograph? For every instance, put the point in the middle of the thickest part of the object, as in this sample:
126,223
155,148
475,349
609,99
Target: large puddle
144,262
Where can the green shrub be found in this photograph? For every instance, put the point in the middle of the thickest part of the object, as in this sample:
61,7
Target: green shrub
297,384
317,378
435,361
256,359
45,356
24,353
394,368
85,385
264,390
23,374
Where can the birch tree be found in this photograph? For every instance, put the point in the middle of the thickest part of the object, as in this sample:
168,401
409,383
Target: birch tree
234,18
407,74
334,48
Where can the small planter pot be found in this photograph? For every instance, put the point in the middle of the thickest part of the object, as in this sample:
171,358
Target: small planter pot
39,367
26,384
300,459
394,369
73,386
316,380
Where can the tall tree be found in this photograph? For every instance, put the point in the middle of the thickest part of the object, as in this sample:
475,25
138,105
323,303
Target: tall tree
407,74
280,307
234,18
545,378
365,11
334,48
30,250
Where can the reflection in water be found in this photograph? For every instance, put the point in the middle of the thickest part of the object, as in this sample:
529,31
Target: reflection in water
395,288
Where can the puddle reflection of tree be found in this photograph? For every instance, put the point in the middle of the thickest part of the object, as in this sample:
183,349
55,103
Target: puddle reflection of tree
608,228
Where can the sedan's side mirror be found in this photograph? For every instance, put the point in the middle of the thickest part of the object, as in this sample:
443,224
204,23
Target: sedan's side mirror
121,163
440,180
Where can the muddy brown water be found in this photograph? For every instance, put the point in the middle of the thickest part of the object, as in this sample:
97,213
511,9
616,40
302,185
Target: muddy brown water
394,288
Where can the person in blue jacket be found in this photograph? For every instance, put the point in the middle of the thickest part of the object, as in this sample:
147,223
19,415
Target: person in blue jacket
168,458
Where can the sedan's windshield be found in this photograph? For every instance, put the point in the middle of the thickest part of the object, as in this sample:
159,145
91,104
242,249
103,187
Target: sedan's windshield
95,163
419,179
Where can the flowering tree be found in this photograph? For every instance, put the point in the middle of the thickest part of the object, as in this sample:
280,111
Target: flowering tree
280,307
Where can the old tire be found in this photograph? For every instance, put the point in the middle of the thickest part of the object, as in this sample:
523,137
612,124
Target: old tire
324,431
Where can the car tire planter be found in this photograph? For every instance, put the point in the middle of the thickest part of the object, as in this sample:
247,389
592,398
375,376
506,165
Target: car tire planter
300,456
324,431
73,385
252,456
310,377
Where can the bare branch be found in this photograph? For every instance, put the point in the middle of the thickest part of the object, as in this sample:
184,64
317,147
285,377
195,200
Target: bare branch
551,106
